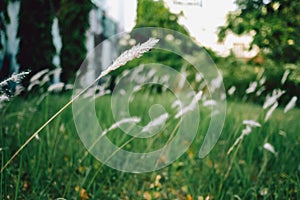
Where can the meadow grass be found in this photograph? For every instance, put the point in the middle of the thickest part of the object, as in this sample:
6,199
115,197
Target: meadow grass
56,164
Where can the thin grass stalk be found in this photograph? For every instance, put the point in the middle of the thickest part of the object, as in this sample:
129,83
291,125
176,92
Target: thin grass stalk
19,179
125,57
230,166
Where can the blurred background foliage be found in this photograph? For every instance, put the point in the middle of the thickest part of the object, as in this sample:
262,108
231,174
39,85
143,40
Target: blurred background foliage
74,21
274,25
35,49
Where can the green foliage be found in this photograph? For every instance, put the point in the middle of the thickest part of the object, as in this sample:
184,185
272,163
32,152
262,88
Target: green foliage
239,73
58,165
73,17
36,49
295,72
154,14
274,23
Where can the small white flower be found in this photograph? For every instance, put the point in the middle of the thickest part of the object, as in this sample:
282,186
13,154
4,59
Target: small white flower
291,104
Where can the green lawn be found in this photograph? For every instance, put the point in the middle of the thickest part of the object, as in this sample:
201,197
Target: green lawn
58,165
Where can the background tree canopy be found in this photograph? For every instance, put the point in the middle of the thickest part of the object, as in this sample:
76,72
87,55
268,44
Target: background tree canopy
74,21
275,25
154,14
36,49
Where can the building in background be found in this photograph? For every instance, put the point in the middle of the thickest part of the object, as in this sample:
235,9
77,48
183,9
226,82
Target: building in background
101,48
10,42
103,24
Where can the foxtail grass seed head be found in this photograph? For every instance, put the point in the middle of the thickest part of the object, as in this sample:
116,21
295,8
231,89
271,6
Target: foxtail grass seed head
177,103
231,90
182,80
14,78
135,52
190,107
262,81
3,98
209,102
246,131
38,75
119,123
291,104
270,111
270,148
260,91
57,87
251,88
156,122
125,121
251,123
270,100
285,76
69,86
198,77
